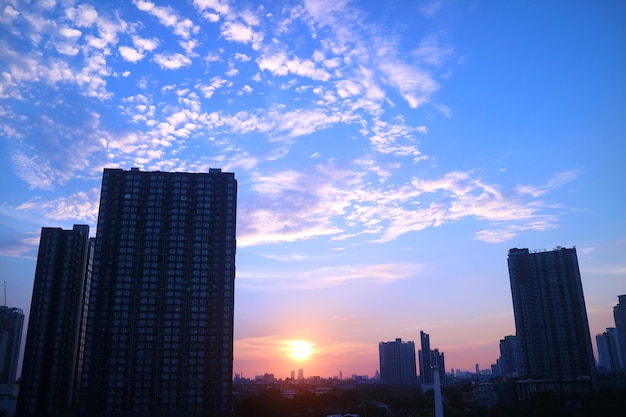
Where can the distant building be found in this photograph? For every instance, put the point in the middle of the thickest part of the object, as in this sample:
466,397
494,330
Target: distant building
438,359
509,362
619,314
11,325
428,359
160,327
609,350
54,341
550,315
425,360
397,362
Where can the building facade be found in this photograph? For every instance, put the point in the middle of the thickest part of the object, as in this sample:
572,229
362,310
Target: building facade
397,362
159,337
619,314
609,350
53,351
550,315
11,326
425,360
429,359
509,362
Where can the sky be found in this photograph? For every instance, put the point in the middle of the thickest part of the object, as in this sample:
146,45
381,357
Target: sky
388,154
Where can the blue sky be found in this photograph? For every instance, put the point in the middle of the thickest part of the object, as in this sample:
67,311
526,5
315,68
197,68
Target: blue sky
388,154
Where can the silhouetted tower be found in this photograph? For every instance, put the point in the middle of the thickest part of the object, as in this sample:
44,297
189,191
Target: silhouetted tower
509,356
425,360
397,362
609,350
160,328
619,314
55,337
11,325
550,315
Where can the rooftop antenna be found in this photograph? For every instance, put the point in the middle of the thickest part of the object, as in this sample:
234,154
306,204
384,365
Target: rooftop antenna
5,294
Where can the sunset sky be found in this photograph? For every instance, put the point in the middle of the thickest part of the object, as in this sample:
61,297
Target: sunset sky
388,154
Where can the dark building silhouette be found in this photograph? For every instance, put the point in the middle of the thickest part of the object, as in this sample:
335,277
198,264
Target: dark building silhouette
509,362
11,326
619,314
438,360
550,315
425,360
609,350
53,351
429,358
397,362
160,325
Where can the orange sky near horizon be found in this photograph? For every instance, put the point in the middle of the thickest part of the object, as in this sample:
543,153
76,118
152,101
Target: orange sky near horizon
330,355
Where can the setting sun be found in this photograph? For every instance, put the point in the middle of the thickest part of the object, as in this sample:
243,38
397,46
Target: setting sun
299,350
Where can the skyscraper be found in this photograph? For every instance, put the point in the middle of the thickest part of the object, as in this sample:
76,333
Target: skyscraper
11,325
425,360
397,362
509,361
438,360
428,359
619,314
609,350
160,325
53,351
550,315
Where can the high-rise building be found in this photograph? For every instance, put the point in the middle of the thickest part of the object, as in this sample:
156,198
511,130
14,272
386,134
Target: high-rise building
397,362
11,325
428,359
550,315
53,351
619,314
425,360
438,360
609,350
509,362
160,324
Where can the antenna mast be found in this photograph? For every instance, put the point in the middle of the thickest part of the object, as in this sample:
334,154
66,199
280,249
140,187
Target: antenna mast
5,294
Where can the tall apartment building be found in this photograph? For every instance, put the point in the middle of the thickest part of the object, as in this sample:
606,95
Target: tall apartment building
160,324
428,359
397,362
425,360
550,315
11,325
609,350
509,362
53,351
619,314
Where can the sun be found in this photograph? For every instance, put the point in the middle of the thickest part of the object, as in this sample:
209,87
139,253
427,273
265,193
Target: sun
300,350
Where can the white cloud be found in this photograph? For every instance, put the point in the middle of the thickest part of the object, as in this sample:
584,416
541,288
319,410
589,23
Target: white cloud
430,52
130,54
169,17
329,277
414,84
281,64
172,61
145,44
219,8
9,13
82,207
242,57
83,15
239,32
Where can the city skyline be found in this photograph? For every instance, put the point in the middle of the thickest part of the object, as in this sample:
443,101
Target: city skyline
387,155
